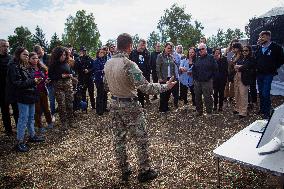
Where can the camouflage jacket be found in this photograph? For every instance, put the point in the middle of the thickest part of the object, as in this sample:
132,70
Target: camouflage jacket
123,78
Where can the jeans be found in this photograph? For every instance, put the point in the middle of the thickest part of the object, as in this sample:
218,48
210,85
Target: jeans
51,97
264,87
26,120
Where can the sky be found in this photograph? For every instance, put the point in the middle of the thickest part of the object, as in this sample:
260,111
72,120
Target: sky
131,16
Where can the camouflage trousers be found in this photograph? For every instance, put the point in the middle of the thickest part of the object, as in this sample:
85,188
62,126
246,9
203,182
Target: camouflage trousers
64,97
128,121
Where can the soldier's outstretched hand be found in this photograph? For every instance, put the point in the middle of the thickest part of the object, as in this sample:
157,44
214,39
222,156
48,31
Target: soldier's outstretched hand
171,82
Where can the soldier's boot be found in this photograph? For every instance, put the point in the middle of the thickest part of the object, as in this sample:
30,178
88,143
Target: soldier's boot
147,175
125,175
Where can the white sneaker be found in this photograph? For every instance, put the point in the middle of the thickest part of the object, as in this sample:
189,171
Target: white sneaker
53,118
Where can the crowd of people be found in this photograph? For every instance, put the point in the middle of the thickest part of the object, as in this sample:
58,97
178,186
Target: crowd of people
33,83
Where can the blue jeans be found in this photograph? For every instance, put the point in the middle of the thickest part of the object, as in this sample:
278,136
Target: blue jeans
26,120
51,97
264,87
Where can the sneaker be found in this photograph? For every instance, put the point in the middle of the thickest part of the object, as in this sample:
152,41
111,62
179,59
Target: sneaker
242,116
53,118
154,98
147,175
235,112
50,126
22,147
36,139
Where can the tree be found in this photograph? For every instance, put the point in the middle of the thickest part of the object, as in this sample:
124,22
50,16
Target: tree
176,26
54,42
110,41
153,39
39,37
222,39
81,30
22,38
135,39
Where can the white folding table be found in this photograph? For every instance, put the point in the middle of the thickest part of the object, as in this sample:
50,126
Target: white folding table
241,149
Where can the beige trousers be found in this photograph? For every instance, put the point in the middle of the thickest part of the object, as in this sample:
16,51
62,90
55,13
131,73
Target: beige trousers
241,95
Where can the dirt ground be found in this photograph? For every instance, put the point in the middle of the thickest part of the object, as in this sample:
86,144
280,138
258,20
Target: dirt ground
181,149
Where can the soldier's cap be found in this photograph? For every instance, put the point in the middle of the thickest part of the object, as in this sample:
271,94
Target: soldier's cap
83,48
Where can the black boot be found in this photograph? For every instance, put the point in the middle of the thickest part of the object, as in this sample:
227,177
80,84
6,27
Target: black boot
125,176
147,175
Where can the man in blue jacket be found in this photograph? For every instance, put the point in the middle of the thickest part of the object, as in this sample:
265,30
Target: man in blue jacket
269,57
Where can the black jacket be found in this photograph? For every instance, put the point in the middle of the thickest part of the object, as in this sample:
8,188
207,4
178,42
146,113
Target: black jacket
21,86
248,71
142,59
4,60
82,63
57,69
221,75
204,68
269,61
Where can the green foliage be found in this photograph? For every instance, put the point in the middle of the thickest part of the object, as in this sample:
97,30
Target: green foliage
152,40
176,26
39,38
81,30
135,39
222,39
54,42
110,41
22,38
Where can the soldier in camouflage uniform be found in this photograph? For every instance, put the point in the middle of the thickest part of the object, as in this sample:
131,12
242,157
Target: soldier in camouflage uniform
123,78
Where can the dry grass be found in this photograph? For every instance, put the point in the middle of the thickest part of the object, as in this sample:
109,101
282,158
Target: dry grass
181,149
